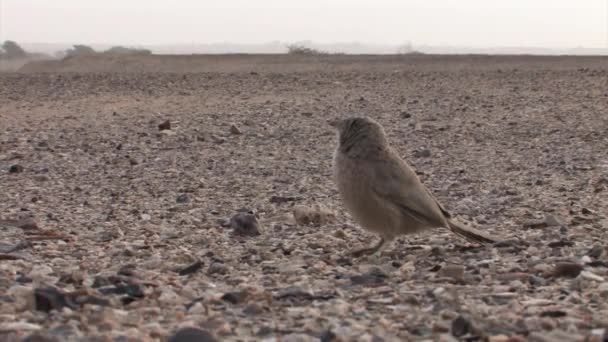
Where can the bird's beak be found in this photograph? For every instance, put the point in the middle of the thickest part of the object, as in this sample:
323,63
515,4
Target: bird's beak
333,122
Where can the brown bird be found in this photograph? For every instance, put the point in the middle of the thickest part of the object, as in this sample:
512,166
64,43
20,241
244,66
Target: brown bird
381,191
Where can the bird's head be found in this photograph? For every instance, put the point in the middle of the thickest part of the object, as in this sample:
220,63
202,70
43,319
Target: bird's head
359,133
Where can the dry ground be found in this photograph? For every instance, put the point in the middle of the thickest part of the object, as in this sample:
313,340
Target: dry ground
99,204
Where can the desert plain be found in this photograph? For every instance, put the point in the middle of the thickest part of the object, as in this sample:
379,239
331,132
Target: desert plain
119,176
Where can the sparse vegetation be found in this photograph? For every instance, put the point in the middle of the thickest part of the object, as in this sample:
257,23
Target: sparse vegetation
408,49
12,50
299,49
79,50
127,51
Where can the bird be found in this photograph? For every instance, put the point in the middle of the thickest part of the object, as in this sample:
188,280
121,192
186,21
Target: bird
382,192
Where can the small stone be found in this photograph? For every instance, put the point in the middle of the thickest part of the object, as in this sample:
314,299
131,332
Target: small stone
245,224
192,335
191,269
217,268
560,243
552,221
19,326
235,130
235,297
47,299
183,198
455,272
596,252
602,290
567,270
27,224
218,140
145,217
39,271
166,125
294,292
328,336
282,199
461,326
253,309
40,337
423,153
548,221
15,169
553,313
316,215
591,276
375,276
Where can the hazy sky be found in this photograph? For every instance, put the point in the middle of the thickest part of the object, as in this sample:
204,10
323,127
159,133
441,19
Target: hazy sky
477,23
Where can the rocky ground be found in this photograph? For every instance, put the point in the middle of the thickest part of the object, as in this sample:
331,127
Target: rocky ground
135,205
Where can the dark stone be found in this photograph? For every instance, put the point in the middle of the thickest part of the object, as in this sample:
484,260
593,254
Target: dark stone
183,198
424,153
166,125
282,199
15,169
191,269
461,326
596,252
40,337
328,336
50,298
567,270
245,224
553,314
192,335
235,297
560,243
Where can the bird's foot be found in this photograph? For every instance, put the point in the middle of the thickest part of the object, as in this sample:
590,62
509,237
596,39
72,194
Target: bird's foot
374,250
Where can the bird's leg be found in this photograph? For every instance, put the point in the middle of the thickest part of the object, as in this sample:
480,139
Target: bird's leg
368,250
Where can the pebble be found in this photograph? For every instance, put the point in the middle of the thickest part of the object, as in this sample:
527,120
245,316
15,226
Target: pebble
217,268
375,276
602,290
19,326
316,215
567,270
40,271
245,224
165,125
235,130
455,272
189,334
169,297
15,169
423,153
183,198
461,326
591,276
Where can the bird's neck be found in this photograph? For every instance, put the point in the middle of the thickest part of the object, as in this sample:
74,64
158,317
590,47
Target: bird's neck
362,146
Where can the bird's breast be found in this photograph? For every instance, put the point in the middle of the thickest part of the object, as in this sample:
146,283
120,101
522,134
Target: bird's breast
355,180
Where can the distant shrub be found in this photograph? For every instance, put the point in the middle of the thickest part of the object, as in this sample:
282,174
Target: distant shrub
408,49
298,49
12,50
79,50
127,51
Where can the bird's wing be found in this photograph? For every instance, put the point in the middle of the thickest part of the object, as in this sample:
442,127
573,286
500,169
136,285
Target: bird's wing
395,182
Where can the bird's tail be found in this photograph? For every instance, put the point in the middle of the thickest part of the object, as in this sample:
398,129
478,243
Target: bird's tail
471,233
